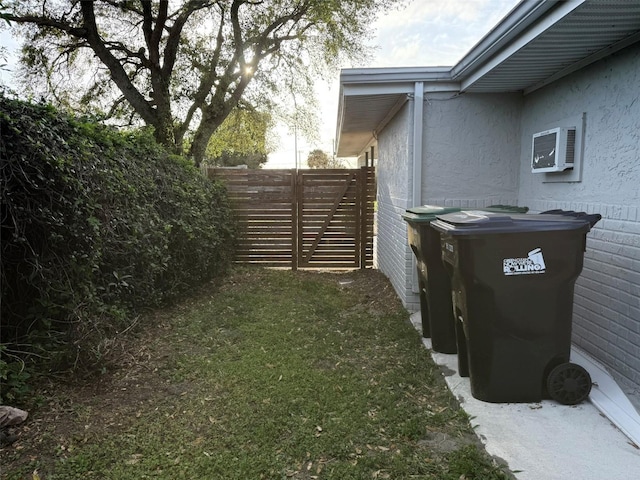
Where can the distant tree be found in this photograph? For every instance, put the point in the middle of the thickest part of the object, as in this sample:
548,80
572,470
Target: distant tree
229,159
242,139
183,66
319,159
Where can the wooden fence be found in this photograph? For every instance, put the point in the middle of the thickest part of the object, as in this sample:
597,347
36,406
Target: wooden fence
303,218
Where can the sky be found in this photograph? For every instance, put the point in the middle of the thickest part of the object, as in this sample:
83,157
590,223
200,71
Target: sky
423,33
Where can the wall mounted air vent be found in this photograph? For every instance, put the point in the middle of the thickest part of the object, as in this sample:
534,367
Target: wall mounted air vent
553,150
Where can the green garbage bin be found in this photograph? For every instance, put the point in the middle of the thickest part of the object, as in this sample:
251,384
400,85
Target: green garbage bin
433,280
513,278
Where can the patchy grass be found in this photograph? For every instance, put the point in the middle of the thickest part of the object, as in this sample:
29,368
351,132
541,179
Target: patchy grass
272,375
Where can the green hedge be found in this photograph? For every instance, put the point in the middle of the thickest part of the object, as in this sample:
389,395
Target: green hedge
96,225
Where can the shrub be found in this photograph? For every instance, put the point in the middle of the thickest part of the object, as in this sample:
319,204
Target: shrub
96,225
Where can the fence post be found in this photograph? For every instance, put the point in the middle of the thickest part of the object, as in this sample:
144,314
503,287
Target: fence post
294,219
364,201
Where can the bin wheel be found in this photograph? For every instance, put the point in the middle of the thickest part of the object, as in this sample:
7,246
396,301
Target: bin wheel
569,383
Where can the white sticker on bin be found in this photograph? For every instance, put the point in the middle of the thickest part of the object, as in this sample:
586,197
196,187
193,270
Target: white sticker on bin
532,264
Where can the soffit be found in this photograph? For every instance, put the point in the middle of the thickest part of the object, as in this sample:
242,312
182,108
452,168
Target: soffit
363,115
589,32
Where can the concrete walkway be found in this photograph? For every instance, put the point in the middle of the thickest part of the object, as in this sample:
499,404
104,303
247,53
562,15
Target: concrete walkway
547,440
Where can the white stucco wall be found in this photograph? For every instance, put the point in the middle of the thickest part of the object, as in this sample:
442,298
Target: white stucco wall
394,191
462,166
607,297
471,143
462,163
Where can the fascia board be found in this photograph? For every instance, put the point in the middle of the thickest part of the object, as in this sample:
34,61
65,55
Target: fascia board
433,87
370,89
355,90
379,76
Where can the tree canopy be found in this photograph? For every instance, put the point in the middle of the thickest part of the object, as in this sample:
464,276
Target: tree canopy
242,139
183,66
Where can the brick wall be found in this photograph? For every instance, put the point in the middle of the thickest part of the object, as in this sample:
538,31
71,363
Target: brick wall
606,315
606,320
394,256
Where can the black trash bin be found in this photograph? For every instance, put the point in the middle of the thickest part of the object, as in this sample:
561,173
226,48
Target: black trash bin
433,280
512,283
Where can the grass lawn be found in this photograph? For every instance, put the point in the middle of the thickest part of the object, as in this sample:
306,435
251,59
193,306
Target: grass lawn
268,375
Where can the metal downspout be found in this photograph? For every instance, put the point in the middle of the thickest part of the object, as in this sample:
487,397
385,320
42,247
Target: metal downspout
418,108
416,194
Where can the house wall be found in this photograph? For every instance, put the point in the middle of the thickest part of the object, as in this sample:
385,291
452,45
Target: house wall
453,174
394,255
606,319
476,151
471,143
462,163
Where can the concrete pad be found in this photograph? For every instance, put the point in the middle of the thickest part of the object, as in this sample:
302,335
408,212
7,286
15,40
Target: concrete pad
547,440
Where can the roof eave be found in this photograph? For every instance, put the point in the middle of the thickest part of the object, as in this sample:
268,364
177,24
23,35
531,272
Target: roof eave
393,75
519,19
386,81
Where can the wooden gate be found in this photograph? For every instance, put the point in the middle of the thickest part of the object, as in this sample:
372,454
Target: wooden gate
303,218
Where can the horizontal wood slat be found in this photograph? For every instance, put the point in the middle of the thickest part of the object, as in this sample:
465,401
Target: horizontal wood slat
302,218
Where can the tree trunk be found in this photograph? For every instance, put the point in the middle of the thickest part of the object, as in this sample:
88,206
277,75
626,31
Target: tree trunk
163,133
209,123
199,144
163,122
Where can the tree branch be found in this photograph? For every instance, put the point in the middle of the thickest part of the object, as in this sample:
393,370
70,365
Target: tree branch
47,22
207,80
118,74
175,33
153,33
120,47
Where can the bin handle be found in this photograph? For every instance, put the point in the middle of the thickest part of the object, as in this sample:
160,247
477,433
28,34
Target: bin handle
591,218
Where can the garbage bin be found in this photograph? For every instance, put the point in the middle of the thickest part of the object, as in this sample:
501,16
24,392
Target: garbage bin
433,280
512,284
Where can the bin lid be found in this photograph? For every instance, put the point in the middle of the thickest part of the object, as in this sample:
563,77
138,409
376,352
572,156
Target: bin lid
474,222
426,213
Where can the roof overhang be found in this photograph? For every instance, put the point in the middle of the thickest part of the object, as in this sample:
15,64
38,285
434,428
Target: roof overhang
537,43
370,98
